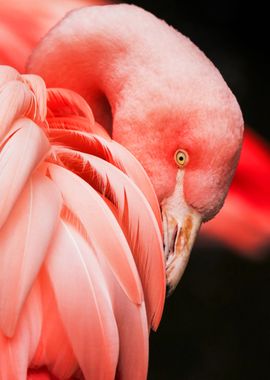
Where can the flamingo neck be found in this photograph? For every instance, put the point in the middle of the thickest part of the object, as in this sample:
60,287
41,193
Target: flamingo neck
95,56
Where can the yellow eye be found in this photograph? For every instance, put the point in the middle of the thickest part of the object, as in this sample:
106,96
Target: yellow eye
181,158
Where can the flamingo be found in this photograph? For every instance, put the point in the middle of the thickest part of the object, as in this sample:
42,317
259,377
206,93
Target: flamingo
107,172
231,227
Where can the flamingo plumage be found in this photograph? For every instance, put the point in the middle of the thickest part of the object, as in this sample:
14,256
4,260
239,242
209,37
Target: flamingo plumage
231,228
83,273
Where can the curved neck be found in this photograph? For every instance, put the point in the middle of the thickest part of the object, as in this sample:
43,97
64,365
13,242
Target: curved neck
95,55
123,61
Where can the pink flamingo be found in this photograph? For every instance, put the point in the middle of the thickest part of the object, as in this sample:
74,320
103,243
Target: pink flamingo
232,227
82,267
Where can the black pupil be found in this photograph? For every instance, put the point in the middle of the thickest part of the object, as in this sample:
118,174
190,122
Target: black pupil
181,158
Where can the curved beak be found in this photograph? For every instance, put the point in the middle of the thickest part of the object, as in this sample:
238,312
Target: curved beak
181,224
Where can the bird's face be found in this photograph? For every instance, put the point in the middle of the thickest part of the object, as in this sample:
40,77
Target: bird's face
191,161
197,169
200,168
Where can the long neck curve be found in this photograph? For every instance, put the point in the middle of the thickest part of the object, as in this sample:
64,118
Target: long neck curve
93,52
148,85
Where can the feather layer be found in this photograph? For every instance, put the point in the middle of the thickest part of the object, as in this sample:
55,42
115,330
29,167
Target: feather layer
22,153
112,152
136,219
94,215
16,101
64,102
83,303
17,353
54,350
81,261
37,86
24,240
8,74
133,350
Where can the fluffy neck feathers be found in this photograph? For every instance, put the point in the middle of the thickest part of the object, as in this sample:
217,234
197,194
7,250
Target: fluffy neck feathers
151,88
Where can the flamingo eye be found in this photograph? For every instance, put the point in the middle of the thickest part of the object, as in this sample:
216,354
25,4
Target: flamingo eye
181,158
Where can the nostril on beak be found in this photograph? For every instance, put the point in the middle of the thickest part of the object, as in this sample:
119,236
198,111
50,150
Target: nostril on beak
173,239
172,245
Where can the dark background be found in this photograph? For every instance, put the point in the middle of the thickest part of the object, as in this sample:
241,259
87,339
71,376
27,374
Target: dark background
216,325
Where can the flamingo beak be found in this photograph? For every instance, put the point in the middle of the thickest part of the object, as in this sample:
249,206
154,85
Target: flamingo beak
181,224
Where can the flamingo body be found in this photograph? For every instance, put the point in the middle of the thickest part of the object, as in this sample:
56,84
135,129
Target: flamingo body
82,268
99,58
236,229
45,225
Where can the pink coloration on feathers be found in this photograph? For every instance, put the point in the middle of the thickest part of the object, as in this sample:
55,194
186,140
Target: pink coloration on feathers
14,38
73,246
86,258
119,70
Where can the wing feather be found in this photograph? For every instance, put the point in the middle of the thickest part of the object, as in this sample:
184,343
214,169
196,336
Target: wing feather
113,153
136,172
64,102
136,219
37,86
24,240
54,350
83,303
16,101
8,74
133,350
73,122
18,158
17,353
104,232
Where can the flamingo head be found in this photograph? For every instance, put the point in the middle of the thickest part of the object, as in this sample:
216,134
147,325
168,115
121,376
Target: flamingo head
168,105
189,147
186,129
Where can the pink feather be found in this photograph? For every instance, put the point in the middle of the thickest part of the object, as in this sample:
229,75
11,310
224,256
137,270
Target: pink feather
16,353
16,101
24,240
94,215
112,152
54,350
83,302
81,232
107,282
28,142
135,217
